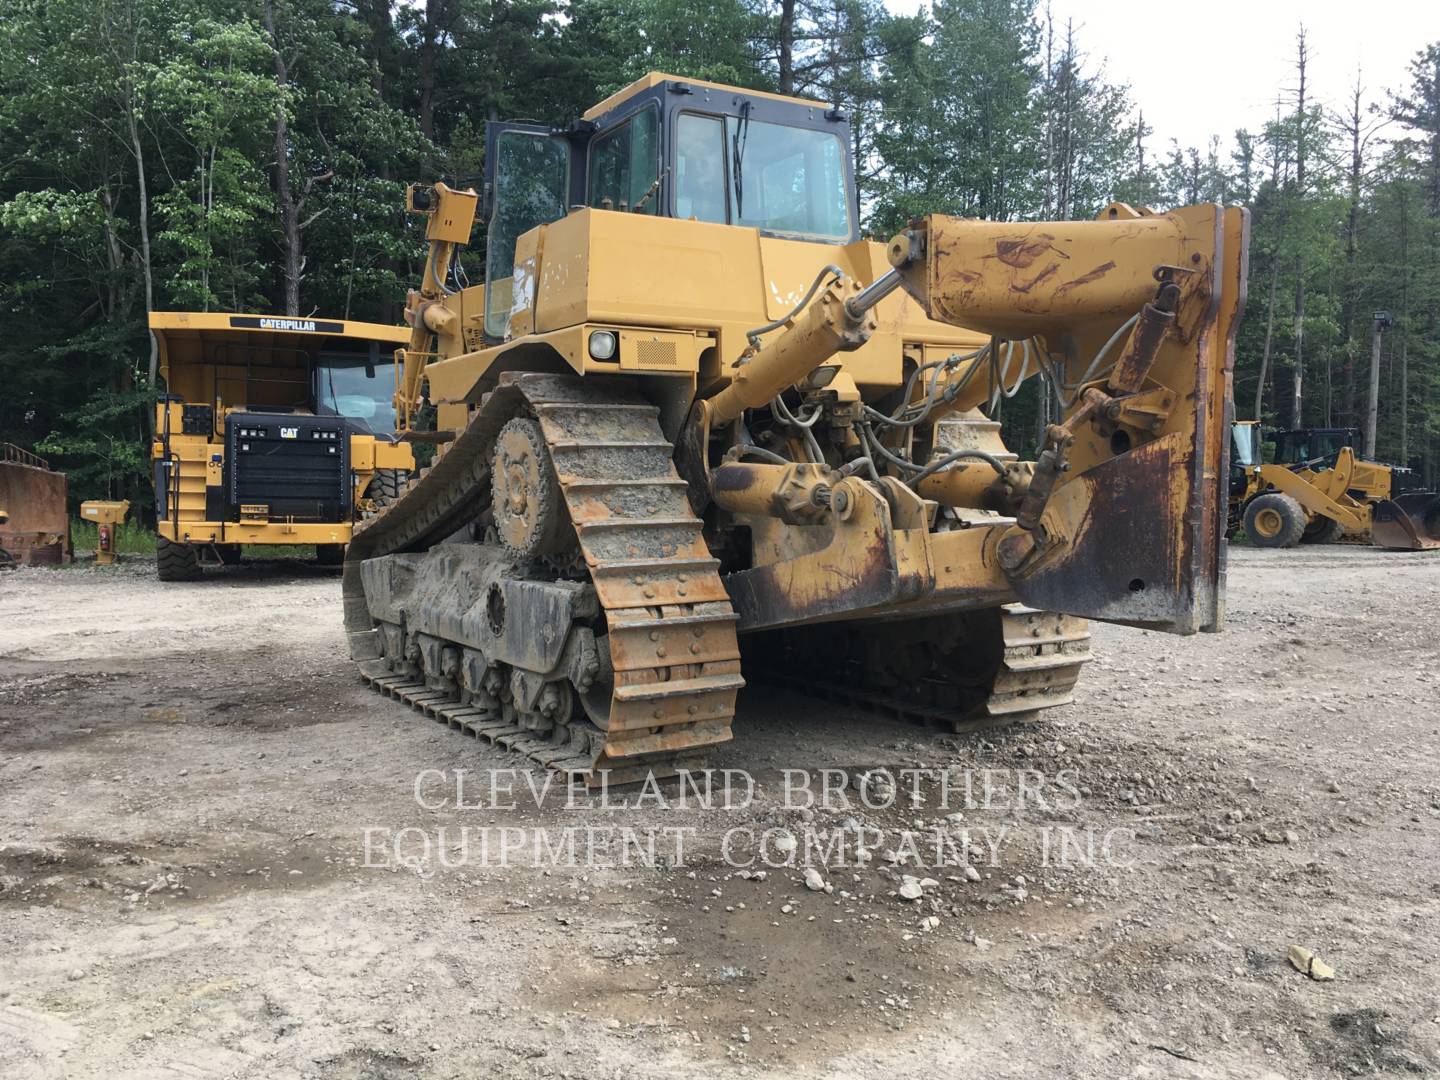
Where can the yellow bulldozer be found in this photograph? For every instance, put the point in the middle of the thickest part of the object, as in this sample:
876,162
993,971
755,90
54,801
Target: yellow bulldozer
271,430
694,430
1317,490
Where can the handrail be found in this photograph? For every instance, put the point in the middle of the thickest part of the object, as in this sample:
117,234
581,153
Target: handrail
173,482
17,455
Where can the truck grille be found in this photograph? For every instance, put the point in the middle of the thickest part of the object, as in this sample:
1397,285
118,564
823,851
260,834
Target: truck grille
298,466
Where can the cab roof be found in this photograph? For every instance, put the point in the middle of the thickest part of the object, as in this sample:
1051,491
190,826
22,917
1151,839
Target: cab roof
235,326
655,78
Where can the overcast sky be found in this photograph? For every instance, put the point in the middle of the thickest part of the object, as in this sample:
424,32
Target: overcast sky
1207,68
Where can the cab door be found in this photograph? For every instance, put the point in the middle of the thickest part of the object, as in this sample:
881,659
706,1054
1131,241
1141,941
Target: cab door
527,184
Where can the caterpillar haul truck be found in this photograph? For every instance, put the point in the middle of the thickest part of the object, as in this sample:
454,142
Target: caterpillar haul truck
697,431
271,430
1317,490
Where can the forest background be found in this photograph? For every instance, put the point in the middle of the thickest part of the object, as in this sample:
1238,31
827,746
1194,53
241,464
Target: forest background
251,155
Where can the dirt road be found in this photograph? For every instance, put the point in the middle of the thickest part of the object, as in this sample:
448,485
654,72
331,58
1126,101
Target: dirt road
221,856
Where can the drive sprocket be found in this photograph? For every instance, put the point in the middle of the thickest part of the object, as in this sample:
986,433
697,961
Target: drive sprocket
528,505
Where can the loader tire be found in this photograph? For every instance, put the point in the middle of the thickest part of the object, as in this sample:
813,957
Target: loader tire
1322,530
176,562
385,488
1274,521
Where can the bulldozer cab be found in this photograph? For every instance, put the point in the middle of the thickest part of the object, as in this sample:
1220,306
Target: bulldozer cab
670,147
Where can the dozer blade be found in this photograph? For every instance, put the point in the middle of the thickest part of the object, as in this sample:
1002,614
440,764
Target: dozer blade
1137,536
1408,522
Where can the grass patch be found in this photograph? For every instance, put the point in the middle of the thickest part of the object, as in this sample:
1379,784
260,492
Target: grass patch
131,538
278,551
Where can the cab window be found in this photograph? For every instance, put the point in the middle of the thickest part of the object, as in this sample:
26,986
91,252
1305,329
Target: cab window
357,386
531,172
700,168
788,180
624,163
1244,435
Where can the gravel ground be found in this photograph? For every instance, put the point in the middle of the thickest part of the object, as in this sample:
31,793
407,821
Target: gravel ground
205,869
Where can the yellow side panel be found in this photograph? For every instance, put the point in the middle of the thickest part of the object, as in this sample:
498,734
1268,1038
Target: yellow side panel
604,266
599,266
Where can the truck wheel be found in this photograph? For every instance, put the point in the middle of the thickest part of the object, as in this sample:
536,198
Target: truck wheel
1322,530
176,562
329,554
385,487
1274,521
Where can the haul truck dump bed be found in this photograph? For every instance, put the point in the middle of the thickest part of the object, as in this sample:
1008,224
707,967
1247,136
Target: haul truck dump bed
270,430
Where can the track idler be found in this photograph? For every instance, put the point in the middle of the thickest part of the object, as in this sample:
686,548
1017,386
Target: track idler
1408,522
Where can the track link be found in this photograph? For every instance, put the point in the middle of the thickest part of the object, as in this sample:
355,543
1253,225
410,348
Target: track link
670,630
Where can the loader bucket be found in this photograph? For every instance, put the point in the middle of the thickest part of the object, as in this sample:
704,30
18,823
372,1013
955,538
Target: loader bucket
1410,522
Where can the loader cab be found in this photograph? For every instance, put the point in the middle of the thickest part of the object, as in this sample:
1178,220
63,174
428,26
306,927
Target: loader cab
671,147
1245,457
1307,445
1245,443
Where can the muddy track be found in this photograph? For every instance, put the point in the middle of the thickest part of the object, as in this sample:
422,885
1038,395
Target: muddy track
667,620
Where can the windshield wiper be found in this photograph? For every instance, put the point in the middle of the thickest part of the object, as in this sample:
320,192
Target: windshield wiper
737,156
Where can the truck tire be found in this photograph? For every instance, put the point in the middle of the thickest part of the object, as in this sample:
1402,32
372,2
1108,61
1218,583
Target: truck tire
385,487
1274,520
329,554
176,562
1322,530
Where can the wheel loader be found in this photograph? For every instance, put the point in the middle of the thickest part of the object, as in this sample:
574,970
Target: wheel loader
694,430
1317,490
271,430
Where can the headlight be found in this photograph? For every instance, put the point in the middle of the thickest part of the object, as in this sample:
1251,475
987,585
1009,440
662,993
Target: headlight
602,345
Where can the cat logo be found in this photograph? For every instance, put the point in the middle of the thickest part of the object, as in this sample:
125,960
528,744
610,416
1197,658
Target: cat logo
289,432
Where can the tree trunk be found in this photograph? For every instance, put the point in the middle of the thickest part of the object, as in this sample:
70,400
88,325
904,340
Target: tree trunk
1297,401
293,259
143,190
785,46
1404,328
1269,336
1372,408
429,64
1352,217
